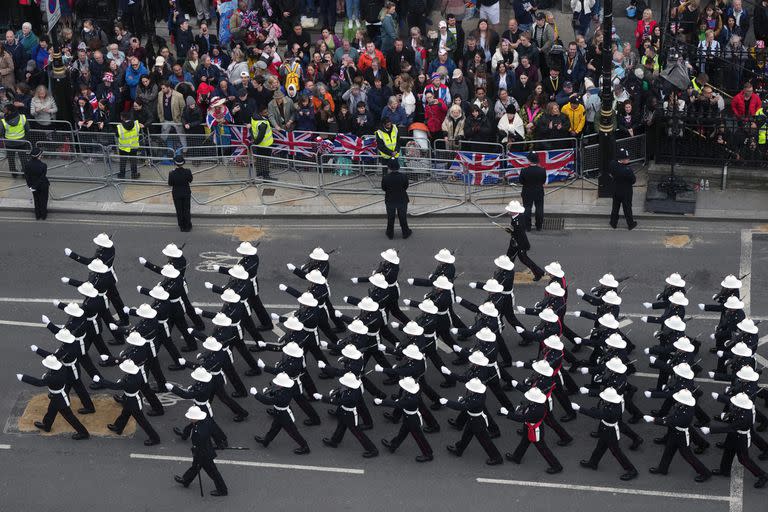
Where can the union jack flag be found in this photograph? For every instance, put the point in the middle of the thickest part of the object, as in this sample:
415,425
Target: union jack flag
294,142
241,142
477,168
356,147
560,165
211,120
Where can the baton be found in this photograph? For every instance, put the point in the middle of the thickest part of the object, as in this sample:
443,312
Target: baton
200,479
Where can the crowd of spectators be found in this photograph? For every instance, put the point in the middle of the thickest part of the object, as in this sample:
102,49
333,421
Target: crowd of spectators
484,80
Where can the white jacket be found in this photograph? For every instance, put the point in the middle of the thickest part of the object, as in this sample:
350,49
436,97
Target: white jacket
588,5
516,126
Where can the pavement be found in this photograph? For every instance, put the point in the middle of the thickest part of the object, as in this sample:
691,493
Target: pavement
54,473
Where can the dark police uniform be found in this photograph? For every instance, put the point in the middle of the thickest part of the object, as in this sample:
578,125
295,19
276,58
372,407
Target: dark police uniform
35,172
179,179
533,179
395,185
203,455
623,180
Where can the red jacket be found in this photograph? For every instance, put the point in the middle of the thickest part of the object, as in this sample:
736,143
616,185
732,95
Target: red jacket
743,109
639,32
434,116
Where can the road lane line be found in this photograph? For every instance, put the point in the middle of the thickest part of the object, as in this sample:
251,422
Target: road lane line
5,447
613,490
22,324
326,469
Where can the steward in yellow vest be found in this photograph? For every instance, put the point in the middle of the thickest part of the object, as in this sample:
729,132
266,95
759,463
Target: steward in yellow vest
388,145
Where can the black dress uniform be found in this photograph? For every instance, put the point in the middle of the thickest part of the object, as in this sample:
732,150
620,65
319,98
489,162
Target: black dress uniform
408,403
177,291
395,186
102,282
163,327
201,393
296,369
250,263
203,455
678,423
546,384
142,356
416,369
519,246
532,414
282,418
35,172
347,400
81,328
321,293
374,322
311,318
107,257
390,271
216,362
68,354
533,178
427,343
623,180
226,336
130,384
56,382
180,264
485,374
476,426
356,368
180,178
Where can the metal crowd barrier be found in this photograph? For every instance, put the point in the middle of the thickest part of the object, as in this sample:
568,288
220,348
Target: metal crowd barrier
589,151
152,168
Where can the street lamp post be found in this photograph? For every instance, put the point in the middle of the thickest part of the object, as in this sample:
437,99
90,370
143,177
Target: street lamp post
606,126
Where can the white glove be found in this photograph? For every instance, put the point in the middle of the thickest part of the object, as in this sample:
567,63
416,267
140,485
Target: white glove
579,292
126,309
378,368
282,287
33,348
112,327
395,325
198,311
381,347
514,382
65,280
142,260
456,348
577,340
410,280
317,396
261,344
720,353
208,286
583,390
504,411
189,330
291,267
67,251
168,386
355,280
644,319
443,401
652,359
712,336
647,351
647,394
647,305
584,371
519,329
705,430
253,390
715,395
519,364
648,419
575,407
344,298
521,309
454,330
103,357
260,363
56,302
701,307
138,288
473,284
444,370
216,267
46,320
407,302
182,361
577,313
458,299
274,316
377,401
337,313
97,379
323,343
18,376
321,365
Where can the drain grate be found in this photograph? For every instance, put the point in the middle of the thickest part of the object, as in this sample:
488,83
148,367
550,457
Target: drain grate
268,192
554,224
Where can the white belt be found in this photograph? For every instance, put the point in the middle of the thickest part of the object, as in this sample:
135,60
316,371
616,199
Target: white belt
143,374
165,327
615,427
286,409
747,433
136,396
60,392
152,347
353,410
442,312
229,352
687,434
73,366
247,306
510,292
181,303
223,376
207,406
297,380
417,413
479,414
308,329
239,329
112,269
94,320
255,282
495,364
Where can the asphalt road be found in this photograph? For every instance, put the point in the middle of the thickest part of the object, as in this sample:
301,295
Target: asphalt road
55,473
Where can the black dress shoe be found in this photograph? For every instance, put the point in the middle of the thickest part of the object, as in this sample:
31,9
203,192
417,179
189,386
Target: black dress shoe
567,418
612,225
238,394
629,475
554,471
631,227
386,443
656,471
96,385
179,432
564,442
494,462
717,472
424,458
114,428
217,492
301,451
431,429
252,372
703,478
452,422
594,435
240,418
78,436
448,384
371,454
153,412
176,367
408,235
311,422
761,482
151,442
510,458
587,464
369,426
452,449
636,444
41,426
180,480
328,442
391,236
659,440
86,410
436,406
261,441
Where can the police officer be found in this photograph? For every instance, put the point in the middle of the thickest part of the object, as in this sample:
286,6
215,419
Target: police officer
128,144
388,145
395,187
35,172
14,128
623,180
533,178
180,178
261,137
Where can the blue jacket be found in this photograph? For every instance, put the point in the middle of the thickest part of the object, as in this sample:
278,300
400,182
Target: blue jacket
398,117
449,65
132,78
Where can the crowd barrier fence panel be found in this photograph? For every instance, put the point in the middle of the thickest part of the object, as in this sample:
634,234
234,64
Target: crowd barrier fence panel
18,157
153,169
270,172
232,171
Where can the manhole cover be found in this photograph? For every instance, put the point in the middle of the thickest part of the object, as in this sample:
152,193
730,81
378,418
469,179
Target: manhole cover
554,223
268,192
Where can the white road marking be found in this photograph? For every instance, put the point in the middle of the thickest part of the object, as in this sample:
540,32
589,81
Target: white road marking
326,469
762,341
444,347
5,447
624,323
613,490
22,324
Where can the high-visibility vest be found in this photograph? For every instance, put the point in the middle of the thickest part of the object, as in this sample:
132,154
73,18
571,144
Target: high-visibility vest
390,141
128,140
762,130
267,140
15,132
